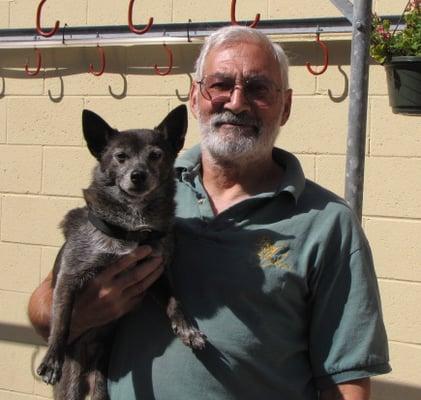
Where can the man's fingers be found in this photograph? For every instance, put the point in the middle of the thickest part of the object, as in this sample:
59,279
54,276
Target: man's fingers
128,261
139,288
138,273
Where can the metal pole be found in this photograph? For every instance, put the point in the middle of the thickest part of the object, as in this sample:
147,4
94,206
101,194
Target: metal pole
358,97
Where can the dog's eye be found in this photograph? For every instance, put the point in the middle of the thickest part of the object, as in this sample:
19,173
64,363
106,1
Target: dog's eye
155,155
121,157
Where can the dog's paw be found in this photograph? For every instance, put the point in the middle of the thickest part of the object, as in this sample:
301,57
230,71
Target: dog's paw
190,336
50,370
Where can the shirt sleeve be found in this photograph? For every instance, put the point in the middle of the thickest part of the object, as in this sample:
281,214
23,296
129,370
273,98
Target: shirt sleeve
347,335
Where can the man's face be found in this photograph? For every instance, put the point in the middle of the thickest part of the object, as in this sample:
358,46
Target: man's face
240,125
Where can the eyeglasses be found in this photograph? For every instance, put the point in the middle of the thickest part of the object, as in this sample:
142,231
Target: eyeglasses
257,90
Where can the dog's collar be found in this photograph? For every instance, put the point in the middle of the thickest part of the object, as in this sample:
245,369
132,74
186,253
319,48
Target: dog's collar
140,236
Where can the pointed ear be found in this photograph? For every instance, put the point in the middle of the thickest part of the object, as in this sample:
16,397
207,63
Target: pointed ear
174,127
97,133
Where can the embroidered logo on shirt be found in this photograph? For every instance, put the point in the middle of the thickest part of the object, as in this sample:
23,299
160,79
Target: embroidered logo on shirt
271,253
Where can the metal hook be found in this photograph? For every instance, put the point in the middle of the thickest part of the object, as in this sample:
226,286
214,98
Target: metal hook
102,58
234,21
170,62
325,57
38,23
38,67
188,31
131,25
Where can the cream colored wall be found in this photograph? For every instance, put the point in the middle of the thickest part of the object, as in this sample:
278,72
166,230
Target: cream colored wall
44,163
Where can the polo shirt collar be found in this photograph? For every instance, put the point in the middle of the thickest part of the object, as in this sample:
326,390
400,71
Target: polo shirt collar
293,179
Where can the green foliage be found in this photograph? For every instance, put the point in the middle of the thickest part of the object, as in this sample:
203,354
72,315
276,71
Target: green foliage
386,44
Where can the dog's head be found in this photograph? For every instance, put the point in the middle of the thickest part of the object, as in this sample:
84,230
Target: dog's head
134,163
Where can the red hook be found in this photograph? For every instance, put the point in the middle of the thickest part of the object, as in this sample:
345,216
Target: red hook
170,62
102,57
132,27
38,67
325,57
234,21
38,23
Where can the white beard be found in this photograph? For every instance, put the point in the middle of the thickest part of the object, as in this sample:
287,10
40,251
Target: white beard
237,145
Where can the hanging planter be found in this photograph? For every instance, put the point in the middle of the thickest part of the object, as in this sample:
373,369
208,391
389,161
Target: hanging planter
400,53
404,84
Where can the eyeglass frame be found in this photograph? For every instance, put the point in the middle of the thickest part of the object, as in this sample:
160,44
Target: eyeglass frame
206,95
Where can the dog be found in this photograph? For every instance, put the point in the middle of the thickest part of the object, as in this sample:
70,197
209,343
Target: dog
129,202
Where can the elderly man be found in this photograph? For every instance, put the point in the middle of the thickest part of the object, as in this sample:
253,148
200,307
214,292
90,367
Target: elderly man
274,269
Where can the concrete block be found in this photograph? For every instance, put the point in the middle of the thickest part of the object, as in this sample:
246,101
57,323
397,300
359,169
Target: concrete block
66,170
396,250
218,10
393,134
13,307
4,15
78,81
403,382
400,303
282,9
72,12
115,13
20,168
2,119
34,219
16,370
377,84
131,112
20,267
37,120
316,125
387,7
142,78
48,256
392,187
330,173
9,395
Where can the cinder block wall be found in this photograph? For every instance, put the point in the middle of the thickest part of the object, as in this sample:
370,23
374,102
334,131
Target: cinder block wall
44,163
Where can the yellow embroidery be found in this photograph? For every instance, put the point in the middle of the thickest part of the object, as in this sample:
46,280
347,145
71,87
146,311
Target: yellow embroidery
270,254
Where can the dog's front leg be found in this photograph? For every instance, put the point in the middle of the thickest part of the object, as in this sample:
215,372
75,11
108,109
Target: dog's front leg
51,366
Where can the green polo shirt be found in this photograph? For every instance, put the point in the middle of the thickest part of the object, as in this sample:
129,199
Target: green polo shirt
282,284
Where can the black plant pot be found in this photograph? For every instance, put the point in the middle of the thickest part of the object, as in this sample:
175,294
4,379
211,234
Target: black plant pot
404,85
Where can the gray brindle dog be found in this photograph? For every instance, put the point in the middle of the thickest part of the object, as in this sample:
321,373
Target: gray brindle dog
129,202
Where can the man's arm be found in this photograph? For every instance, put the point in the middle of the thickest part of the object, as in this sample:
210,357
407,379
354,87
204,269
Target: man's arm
111,294
352,390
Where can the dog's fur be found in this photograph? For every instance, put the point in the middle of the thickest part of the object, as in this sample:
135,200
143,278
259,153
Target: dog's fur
129,202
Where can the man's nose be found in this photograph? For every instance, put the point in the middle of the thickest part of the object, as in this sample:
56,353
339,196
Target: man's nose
238,101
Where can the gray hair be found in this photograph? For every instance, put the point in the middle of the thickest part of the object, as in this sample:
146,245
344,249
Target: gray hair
237,34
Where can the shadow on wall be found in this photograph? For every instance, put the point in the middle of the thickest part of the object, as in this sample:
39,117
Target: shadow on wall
140,61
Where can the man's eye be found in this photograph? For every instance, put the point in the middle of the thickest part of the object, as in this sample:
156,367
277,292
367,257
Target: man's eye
220,85
121,157
258,88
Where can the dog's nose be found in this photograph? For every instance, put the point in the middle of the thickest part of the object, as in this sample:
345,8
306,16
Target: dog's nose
138,177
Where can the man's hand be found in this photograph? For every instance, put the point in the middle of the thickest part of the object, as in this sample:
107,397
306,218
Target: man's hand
111,294
352,390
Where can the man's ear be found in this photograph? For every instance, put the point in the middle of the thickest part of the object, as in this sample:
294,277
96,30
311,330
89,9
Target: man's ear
193,99
287,106
97,133
174,127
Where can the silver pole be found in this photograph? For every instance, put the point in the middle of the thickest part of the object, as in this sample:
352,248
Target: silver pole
358,98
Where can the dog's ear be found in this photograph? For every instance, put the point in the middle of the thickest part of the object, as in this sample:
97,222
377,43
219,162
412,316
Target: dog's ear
97,133
174,127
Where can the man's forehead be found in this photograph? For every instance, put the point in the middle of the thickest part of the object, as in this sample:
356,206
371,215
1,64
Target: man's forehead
251,58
